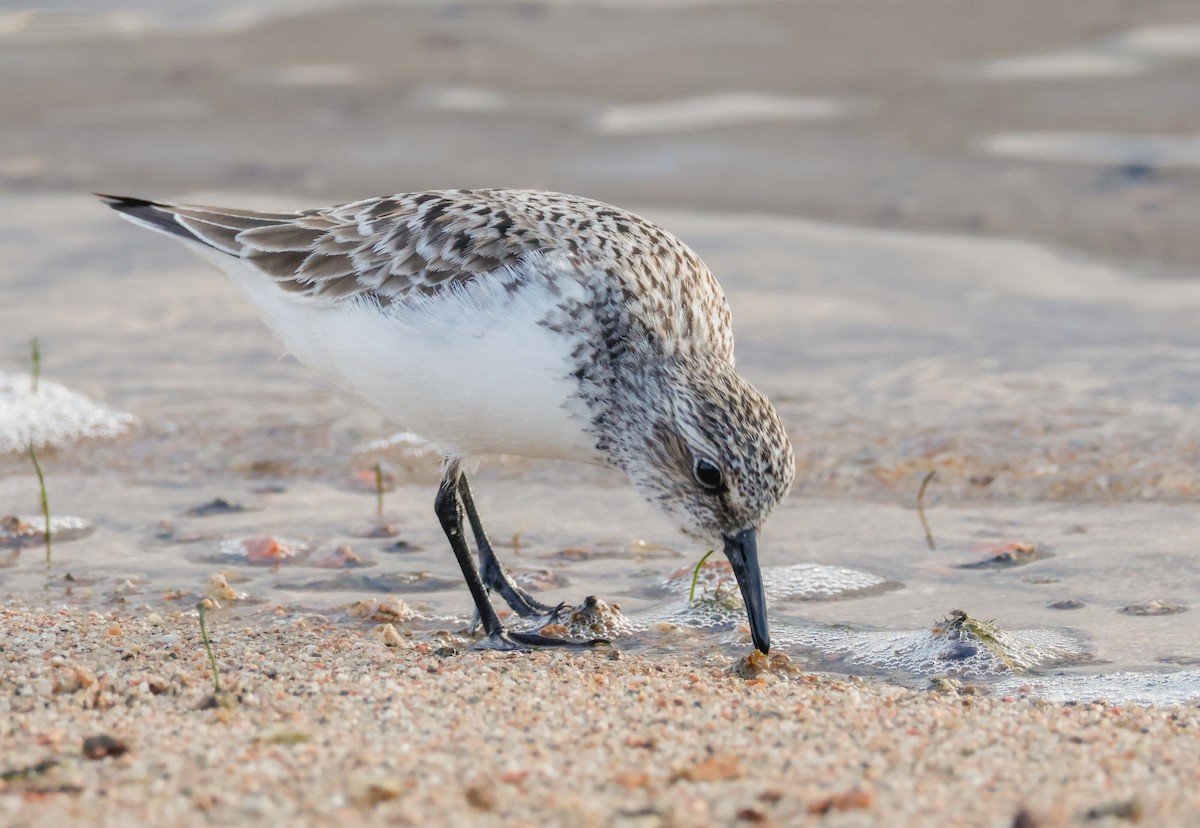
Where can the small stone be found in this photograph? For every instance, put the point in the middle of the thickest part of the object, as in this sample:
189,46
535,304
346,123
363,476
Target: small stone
102,746
1155,606
632,779
1024,819
387,635
268,550
1068,604
481,796
851,800
383,610
282,735
344,557
944,685
716,768
218,589
216,506
1130,810
257,806
756,664
367,793
597,617
401,546
1017,553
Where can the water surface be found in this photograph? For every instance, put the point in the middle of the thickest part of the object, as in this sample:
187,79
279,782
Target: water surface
1055,397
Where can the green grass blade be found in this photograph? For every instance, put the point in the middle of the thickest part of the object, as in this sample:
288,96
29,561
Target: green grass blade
37,467
696,576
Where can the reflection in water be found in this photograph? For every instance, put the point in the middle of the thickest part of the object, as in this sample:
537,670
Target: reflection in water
1058,66
1134,52
1151,151
711,111
1181,41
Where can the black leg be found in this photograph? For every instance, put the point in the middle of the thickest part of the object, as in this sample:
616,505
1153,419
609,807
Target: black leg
495,576
448,507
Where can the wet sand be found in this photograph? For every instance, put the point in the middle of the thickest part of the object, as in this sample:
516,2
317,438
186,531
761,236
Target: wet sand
326,727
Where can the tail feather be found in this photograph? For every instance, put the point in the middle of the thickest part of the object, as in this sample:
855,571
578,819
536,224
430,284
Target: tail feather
213,227
149,214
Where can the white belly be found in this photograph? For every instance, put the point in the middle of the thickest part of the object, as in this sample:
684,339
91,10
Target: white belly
472,371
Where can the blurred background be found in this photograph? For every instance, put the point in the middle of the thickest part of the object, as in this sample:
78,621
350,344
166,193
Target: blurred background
1075,121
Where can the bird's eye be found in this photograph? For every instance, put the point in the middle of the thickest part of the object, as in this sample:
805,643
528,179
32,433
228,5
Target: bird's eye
708,475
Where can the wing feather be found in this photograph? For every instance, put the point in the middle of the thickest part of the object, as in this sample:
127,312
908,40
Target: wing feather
404,247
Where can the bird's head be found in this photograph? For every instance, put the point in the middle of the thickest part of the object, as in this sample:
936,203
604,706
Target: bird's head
712,453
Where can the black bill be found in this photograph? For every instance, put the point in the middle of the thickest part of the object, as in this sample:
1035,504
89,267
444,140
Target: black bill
742,551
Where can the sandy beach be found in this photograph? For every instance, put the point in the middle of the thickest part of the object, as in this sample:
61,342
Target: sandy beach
329,726
956,237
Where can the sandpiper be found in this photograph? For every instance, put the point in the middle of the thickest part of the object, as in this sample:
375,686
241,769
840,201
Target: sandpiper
519,322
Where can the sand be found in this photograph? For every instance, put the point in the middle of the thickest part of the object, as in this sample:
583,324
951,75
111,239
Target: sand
326,725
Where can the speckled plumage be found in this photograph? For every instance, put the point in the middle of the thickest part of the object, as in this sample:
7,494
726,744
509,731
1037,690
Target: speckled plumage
415,244
516,321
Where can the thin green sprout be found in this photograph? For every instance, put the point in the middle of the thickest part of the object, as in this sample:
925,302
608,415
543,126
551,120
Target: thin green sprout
37,365
696,576
212,659
37,467
921,509
379,489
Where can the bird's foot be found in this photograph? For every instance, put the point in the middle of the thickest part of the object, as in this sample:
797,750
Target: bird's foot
497,579
508,640
551,615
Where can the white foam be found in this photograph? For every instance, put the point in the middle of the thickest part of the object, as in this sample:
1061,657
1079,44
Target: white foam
1181,687
941,650
797,582
406,441
52,416
710,111
30,530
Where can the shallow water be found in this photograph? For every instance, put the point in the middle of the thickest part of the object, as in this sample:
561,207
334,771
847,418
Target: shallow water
1052,395
1055,394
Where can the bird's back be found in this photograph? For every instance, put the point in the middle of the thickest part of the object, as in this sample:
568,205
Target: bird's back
404,247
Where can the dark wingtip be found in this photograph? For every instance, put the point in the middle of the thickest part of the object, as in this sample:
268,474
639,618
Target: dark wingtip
148,213
117,202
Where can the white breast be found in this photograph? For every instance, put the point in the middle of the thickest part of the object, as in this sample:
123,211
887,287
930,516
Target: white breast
471,370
